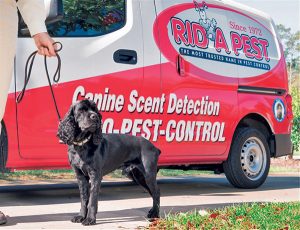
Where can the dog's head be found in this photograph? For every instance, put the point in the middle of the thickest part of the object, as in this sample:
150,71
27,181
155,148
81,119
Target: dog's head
81,121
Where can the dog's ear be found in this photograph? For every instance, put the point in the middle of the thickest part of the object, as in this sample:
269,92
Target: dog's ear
97,135
67,127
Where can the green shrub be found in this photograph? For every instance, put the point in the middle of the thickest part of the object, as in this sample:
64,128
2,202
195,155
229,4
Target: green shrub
296,122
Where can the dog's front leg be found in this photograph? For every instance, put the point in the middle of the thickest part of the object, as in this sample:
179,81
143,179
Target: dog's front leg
95,179
83,185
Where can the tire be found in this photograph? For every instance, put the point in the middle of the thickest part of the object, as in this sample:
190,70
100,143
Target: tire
248,162
3,149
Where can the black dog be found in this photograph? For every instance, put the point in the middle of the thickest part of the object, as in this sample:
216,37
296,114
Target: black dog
93,155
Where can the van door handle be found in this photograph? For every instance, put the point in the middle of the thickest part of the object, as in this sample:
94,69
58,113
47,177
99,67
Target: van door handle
180,66
125,56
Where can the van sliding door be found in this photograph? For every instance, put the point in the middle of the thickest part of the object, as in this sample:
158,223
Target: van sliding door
198,79
102,60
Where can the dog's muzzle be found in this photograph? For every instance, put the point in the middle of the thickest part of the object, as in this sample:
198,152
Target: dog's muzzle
84,141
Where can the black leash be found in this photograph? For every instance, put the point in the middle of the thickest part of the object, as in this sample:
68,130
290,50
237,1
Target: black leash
56,76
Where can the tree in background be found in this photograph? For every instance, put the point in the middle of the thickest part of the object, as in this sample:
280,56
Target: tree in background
291,44
296,123
89,15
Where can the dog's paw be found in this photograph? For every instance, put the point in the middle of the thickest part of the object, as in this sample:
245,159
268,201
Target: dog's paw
89,221
77,219
152,215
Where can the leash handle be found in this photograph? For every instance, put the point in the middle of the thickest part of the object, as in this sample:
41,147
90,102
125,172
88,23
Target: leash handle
59,47
56,76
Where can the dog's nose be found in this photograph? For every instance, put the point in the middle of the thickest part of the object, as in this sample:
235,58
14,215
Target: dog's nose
93,116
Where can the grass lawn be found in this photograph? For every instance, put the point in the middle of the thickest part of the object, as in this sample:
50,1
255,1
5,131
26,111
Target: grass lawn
176,172
38,175
68,174
247,216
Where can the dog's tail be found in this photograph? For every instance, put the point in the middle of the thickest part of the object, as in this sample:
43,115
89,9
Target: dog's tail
158,151
153,147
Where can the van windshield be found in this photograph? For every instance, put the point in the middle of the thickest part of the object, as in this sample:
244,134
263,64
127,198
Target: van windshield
89,18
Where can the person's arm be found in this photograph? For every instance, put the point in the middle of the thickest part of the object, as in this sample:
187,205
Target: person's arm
34,15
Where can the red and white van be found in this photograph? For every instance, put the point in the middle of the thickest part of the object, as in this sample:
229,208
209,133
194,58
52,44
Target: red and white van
205,81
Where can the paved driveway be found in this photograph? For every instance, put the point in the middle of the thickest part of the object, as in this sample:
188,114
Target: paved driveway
123,205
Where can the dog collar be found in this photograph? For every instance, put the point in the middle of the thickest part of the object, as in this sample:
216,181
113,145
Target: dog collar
81,143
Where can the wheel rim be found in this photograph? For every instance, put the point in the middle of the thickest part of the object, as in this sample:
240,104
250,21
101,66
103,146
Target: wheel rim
253,158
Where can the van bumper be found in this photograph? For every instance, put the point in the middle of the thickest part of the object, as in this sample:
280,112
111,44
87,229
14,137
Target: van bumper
283,145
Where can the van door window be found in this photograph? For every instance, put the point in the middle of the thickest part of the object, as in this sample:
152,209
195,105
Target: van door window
89,18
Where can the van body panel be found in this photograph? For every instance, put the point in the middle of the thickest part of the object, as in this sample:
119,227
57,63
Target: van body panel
264,106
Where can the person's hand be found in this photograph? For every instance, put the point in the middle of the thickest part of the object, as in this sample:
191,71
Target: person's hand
44,43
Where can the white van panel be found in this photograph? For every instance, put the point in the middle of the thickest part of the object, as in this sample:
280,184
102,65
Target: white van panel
85,57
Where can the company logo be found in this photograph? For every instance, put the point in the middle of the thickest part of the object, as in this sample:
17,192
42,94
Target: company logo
279,110
200,34
211,36
210,25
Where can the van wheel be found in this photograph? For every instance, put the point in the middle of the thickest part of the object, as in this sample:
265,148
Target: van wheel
3,149
248,162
